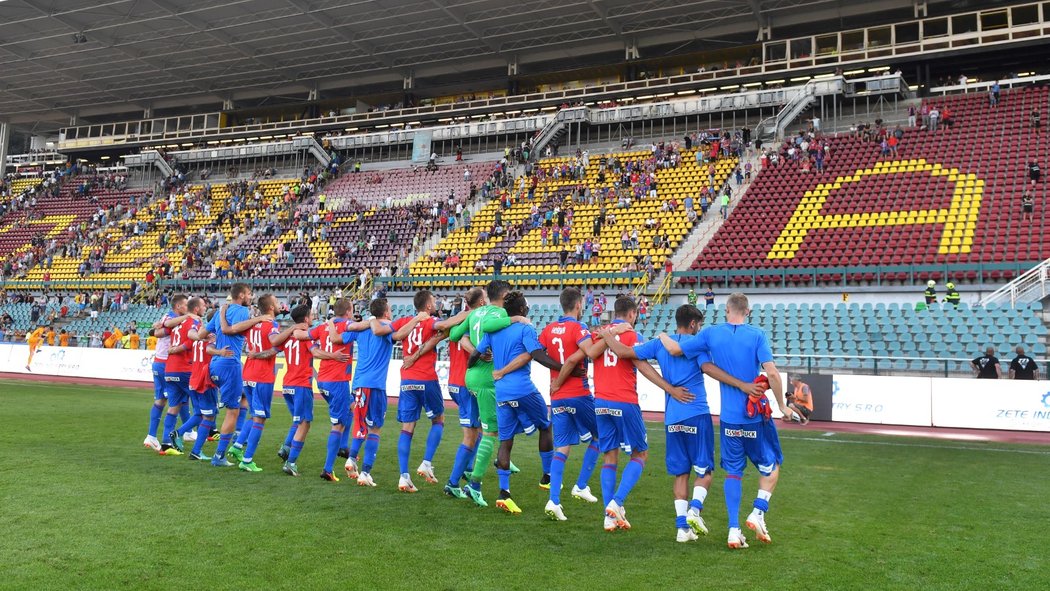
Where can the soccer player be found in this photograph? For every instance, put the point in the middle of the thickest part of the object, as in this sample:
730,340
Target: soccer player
572,404
747,431
375,343
619,417
35,339
689,432
520,407
177,370
420,389
160,359
260,372
202,390
458,354
226,371
298,388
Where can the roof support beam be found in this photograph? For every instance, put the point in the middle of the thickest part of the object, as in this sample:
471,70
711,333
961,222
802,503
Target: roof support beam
451,13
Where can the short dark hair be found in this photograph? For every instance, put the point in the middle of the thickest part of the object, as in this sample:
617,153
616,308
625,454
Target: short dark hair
624,305
341,307
474,296
267,303
238,289
515,305
421,298
178,299
378,307
299,313
496,289
686,314
569,298
195,303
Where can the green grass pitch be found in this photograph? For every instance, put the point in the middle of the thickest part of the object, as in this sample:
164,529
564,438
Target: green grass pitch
85,506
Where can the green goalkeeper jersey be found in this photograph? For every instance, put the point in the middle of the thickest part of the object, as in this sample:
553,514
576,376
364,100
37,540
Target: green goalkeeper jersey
480,321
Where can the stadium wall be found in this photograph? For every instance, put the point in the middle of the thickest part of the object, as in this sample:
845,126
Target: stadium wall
887,400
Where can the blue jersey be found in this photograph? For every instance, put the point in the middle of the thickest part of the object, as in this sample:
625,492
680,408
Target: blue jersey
678,371
739,350
373,357
505,345
234,313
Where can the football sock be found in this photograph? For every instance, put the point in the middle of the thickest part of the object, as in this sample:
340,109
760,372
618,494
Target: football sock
628,479
590,460
333,449
254,435
241,416
224,444
459,465
155,413
473,454
734,491
184,412
762,501
355,446
557,474
296,449
483,458
504,480
291,433
433,440
169,426
699,496
202,435
680,508
242,433
545,461
371,449
404,448
190,425
608,478
344,439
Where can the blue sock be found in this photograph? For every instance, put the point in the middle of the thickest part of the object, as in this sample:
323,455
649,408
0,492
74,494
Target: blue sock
154,419
291,434
762,505
504,479
696,504
202,435
404,448
557,473
371,449
344,439
184,413
473,454
628,479
169,426
189,425
355,446
590,460
433,440
734,491
333,449
242,434
254,435
241,416
224,444
459,465
297,448
545,461
680,522
608,482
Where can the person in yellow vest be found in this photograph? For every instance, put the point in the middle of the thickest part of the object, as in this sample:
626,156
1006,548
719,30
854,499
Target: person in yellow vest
125,342
114,339
134,340
801,400
50,336
35,339
63,338
151,342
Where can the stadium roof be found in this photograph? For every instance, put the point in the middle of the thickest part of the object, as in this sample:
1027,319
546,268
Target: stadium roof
60,58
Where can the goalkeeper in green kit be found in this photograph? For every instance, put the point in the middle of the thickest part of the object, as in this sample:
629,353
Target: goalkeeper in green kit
488,318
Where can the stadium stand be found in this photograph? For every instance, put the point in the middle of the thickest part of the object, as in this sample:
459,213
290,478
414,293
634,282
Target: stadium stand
946,196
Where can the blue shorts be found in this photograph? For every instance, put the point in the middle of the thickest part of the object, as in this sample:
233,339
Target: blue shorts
574,421
206,403
691,445
374,401
177,386
300,401
524,415
757,442
338,396
468,406
260,397
416,396
160,392
227,378
620,425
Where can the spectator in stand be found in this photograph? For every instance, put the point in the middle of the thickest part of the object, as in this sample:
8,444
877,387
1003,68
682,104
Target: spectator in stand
1034,118
1034,172
1027,205
986,367
1023,367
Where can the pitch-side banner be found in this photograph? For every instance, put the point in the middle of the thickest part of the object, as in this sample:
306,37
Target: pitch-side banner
885,400
1015,405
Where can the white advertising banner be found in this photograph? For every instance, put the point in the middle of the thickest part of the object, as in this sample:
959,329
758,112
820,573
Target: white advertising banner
1012,405
109,364
884,400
